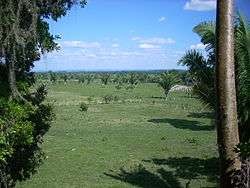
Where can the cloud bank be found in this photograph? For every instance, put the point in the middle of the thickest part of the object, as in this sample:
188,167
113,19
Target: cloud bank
200,5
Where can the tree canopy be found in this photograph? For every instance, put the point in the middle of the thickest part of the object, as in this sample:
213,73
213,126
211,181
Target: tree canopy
24,117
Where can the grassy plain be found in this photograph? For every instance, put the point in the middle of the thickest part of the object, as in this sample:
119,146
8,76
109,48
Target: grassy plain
139,140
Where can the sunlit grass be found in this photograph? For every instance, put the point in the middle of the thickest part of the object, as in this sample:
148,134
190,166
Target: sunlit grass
140,140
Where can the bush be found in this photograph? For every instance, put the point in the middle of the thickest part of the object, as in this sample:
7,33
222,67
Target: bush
22,129
105,78
118,86
90,99
89,78
243,149
81,79
132,79
107,99
130,87
84,107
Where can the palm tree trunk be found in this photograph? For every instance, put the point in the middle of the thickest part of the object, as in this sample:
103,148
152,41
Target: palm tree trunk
227,126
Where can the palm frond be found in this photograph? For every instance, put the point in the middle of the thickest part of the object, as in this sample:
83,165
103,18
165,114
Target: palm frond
206,30
167,81
242,53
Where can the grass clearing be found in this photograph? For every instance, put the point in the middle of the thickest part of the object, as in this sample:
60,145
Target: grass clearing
141,140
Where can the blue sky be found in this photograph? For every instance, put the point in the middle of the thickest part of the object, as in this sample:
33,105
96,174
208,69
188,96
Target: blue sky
128,34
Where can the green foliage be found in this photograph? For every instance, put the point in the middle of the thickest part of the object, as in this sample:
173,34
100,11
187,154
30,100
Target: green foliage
167,81
206,31
84,107
24,117
22,128
132,79
89,78
89,99
122,79
81,79
105,78
109,98
202,74
65,78
242,51
244,150
128,87
52,77
202,70
118,86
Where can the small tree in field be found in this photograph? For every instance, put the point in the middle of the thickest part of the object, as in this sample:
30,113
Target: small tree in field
105,78
133,79
52,77
83,107
167,81
89,78
65,78
81,79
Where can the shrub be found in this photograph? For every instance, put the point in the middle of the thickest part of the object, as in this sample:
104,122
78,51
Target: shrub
115,98
81,79
105,78
243,149
65,78
90,99
84,107
132,79
107,99
52,77
22,129
89,78
119,86
130,87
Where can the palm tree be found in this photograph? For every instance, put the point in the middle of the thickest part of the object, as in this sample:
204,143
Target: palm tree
242,44
227,123
167,81
202,75
202,70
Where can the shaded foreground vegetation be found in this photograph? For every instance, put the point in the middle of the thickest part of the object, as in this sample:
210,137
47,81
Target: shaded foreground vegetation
140,139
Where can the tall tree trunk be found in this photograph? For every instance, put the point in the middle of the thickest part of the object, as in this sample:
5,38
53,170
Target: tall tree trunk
227,125
15,94
12,79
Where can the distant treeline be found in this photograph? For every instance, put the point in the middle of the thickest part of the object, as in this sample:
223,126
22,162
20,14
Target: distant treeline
119,77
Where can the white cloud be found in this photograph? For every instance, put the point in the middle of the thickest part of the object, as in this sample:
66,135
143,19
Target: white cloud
147,56
80,44
115,45
199,46
148,46
89,55
136,38
159,41
148,53
154,40
162,19
200,5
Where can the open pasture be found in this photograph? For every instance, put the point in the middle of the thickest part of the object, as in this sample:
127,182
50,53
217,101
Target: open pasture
137,139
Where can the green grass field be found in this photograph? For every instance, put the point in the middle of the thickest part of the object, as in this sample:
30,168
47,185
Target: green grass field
139,140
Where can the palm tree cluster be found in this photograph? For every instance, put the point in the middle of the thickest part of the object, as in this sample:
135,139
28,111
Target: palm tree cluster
202,69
